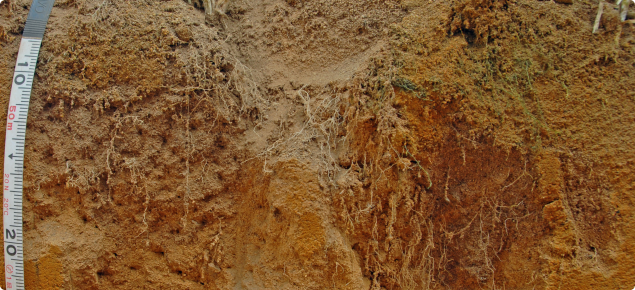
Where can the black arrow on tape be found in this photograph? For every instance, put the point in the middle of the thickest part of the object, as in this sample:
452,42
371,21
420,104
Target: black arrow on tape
11,155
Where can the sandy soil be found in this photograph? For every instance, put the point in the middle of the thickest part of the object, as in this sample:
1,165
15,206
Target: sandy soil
335,144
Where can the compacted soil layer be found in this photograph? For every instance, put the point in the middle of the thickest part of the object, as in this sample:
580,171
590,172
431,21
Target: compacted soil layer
335,144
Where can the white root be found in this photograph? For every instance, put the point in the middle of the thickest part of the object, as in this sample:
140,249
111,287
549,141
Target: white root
596,25
623,9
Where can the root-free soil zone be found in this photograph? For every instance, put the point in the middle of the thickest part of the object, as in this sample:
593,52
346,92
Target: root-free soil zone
469,144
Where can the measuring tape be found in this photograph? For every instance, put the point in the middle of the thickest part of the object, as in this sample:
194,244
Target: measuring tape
14,143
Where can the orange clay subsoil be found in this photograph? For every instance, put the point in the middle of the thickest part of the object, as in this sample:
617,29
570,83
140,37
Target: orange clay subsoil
334,144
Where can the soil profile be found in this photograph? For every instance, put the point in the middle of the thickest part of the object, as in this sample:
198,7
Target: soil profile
332,144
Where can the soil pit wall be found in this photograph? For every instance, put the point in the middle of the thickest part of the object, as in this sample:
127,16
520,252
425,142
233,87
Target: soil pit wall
328,145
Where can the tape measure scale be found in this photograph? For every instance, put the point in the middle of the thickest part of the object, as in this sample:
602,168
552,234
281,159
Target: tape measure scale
15,140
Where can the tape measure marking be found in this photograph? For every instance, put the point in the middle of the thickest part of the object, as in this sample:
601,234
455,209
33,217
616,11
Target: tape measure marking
15,140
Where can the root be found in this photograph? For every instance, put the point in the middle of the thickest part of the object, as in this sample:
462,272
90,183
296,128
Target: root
350,225
598,17
484,242
320,129
81,181
145,211
215,246
518,178
187,165
420,167
214,6
447,180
